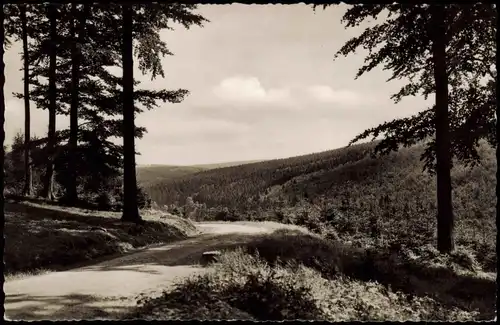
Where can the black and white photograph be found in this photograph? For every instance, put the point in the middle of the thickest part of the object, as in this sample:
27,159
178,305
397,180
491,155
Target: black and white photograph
244,161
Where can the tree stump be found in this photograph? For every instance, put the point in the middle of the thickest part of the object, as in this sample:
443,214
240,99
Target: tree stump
209,257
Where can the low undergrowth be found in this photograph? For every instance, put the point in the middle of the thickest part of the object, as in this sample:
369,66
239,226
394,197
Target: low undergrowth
455,279
248,286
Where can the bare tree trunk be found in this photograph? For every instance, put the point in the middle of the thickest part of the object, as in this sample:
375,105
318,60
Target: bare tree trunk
2,140
445,218
498,144
28,178
76,55
130,209
48,192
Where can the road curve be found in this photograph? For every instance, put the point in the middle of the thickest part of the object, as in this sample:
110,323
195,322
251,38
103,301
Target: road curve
108,289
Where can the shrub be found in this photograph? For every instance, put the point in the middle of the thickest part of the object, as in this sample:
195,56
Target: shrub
176,211
274,294
143,199
104,201
222,215
225,214
246,288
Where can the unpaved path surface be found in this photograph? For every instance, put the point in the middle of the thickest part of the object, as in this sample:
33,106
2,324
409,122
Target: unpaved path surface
107,290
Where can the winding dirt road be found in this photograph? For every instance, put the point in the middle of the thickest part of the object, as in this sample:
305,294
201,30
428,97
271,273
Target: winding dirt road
109,289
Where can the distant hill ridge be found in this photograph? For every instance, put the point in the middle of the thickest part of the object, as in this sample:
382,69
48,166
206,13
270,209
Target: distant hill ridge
154,173
206,166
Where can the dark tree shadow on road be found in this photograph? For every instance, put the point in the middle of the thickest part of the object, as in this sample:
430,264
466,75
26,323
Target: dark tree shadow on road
70,307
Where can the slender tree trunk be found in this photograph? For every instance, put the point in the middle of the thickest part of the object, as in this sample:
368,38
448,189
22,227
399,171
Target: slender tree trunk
28,178
2,140
498,141
76,56
445,218
71,191
130,209
48,192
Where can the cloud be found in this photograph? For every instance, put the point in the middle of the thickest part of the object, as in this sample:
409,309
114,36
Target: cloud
185,128
249,89
326,94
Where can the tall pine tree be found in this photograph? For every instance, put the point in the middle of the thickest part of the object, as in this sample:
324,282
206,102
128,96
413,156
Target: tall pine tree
22,23
150,20
76,53
28,179
48,188
130,208
444,50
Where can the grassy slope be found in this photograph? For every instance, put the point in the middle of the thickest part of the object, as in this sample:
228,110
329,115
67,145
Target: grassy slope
41,237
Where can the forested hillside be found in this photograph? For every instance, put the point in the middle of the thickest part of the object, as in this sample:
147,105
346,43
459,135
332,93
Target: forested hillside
255,183
352,192
342,175
160,173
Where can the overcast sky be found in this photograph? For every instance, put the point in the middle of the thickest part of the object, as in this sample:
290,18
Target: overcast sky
263,85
